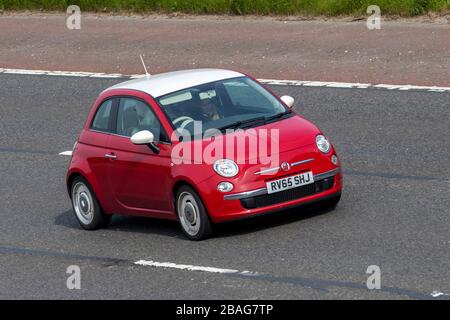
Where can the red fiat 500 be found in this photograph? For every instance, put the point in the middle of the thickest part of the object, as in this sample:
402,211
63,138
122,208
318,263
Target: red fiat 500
198,146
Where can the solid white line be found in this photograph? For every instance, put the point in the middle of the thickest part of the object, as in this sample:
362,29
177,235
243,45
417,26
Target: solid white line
23,71
66,153
62,73
405,87
298,83
171,265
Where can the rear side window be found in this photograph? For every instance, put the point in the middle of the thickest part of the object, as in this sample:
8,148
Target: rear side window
102,117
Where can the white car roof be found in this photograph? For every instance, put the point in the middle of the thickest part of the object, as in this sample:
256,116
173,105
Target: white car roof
164,83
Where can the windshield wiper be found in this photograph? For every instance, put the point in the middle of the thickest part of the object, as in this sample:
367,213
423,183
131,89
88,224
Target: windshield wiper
239,124
253,121
277,116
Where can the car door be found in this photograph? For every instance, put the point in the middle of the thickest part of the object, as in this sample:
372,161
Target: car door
93,145
138,177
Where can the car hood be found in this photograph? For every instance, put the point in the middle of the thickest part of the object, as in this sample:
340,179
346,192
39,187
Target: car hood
294,132
278,137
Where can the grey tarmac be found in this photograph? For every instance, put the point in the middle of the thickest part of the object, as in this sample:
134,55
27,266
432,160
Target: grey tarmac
394,213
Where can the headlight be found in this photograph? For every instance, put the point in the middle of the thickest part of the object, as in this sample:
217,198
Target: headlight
322,143
226,168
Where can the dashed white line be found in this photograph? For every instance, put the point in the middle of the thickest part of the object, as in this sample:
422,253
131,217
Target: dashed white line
66,153
436,294
188,267
298,83
171,265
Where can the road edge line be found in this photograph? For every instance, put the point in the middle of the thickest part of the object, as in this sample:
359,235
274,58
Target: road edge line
297,83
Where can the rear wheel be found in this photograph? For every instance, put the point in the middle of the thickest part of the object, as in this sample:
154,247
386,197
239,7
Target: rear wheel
194,220
85,205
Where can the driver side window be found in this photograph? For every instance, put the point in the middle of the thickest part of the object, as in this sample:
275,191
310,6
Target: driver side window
134,115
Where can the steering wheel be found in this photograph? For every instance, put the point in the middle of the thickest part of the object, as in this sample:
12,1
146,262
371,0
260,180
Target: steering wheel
186,120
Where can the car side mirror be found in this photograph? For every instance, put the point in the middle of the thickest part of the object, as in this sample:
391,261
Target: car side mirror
142,137
145,137
288,100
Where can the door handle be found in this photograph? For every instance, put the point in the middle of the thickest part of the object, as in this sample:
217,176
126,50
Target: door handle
110,156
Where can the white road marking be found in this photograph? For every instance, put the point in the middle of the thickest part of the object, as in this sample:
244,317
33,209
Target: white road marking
66,153
23,71
314,84
436,294
405,87
188,267
135,76
298,83
340,85
62,73
171,265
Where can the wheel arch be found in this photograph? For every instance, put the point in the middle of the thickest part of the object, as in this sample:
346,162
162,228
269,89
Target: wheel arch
102,201
70,179
185,182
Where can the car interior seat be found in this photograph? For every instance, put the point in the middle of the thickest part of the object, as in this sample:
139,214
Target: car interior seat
130,121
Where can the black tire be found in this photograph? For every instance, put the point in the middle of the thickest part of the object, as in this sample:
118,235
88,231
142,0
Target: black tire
85,206
194,220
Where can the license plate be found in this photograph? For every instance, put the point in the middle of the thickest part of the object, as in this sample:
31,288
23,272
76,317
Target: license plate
290,182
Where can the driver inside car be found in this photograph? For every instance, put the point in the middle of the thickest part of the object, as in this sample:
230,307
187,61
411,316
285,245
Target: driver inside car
209,110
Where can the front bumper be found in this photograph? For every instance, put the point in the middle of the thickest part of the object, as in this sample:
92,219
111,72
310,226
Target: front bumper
257,201
263,191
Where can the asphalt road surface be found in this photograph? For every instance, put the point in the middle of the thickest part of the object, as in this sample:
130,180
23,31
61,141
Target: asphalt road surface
394,213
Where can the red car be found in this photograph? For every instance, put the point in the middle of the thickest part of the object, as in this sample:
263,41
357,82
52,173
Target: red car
198,146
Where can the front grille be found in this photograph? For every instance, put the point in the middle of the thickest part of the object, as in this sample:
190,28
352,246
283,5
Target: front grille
288,195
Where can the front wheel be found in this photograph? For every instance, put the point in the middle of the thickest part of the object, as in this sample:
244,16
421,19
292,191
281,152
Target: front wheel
192,214
87,210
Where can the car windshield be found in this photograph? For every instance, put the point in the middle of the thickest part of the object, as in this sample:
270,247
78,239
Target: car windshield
227,104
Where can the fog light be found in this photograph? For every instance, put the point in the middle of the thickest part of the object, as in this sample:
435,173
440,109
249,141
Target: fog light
334,159
225,186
